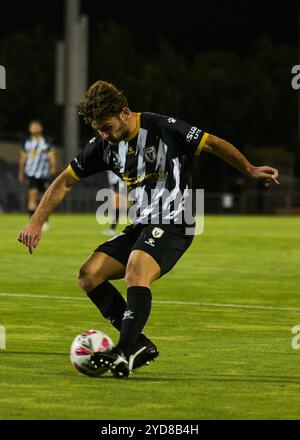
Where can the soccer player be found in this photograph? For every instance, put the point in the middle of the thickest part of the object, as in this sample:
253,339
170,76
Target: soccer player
37,163
149,152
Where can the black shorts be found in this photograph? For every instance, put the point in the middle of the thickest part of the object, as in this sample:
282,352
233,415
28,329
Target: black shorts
39,184
165,243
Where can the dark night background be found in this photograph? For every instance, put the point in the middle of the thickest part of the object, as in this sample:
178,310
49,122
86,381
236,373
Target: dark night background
191,26
223,65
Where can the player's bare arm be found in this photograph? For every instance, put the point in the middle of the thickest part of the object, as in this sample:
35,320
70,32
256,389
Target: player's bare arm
31,234
226,151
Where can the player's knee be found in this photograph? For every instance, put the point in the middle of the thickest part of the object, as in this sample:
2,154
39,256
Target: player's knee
87,280
82,278
134,276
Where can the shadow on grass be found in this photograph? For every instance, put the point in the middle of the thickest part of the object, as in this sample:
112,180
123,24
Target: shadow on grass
202,379
186,377
255,378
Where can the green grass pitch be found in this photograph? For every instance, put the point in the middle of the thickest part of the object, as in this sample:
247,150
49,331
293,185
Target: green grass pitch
217,361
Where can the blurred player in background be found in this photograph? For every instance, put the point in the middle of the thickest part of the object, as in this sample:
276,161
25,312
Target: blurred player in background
37,163
116,185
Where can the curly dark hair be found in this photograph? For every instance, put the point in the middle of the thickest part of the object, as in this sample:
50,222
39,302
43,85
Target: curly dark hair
101,101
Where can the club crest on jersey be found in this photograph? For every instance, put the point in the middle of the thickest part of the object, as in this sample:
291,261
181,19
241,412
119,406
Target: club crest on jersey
150,154
157,232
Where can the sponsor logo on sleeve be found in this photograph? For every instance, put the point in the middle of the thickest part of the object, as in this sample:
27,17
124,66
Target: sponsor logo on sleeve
79,166
193,134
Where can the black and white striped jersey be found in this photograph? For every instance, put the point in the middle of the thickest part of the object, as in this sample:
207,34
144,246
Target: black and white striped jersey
37,158
154,162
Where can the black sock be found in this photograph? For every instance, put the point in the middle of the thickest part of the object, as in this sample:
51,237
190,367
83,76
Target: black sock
116,219
110,302
135,317
142,340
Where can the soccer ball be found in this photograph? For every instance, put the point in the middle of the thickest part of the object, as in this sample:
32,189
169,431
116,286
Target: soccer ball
84,346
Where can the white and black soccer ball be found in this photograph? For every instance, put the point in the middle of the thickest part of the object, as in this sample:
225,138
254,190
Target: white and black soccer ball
84,346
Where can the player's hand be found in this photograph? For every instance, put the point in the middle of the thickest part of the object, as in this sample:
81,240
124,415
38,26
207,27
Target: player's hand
30,236
269,174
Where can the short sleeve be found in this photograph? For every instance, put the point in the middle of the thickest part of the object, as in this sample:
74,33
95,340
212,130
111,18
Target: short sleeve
187,138
89,161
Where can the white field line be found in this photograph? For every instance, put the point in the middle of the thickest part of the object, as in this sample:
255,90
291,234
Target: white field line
184,303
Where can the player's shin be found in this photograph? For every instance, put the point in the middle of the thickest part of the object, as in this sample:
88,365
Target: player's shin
135,317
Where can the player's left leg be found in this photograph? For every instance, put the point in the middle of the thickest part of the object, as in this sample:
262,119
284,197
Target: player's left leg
155,253
134,349
107,263
141,271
